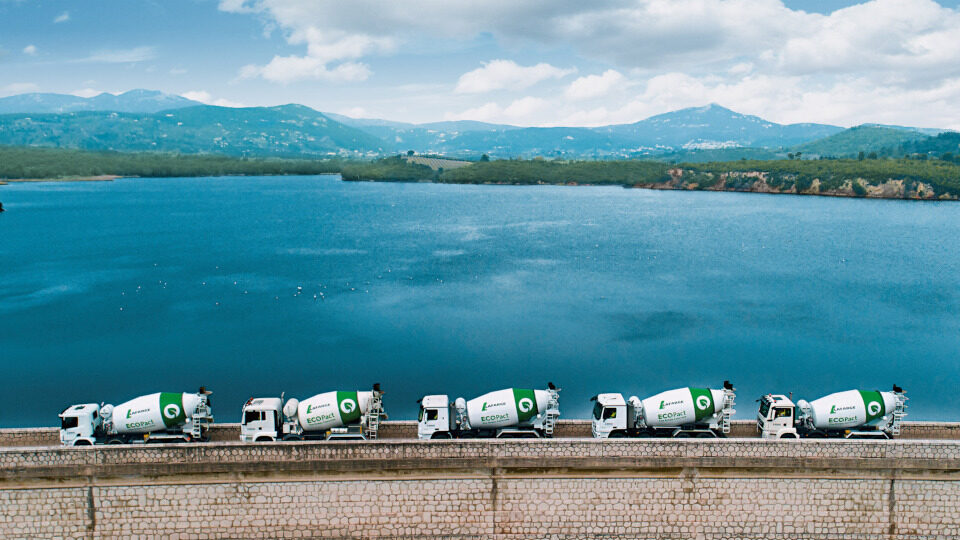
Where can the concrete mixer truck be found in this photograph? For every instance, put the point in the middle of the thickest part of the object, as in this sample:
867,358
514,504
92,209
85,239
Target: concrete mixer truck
853,414
684,412
160,417
513,412
327,416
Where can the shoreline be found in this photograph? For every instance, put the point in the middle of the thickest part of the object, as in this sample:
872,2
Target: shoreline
889,190
100,178
764,189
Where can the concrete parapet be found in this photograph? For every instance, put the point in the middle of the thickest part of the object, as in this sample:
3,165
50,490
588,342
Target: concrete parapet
501,489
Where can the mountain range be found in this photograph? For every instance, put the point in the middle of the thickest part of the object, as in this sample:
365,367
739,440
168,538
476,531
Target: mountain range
145,120
144,101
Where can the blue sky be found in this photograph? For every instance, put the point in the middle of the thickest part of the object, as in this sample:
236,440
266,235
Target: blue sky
558,62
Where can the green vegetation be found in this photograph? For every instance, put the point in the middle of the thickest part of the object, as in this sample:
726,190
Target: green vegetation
19,162
719,154
392,169
286,131
842,176
539,171
833,173
782,175
853,141
944,145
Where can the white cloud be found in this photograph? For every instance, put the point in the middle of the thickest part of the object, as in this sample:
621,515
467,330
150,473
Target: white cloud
593,86
519,110
507,74
62,18
177,72
30,50
880,60
88,92
123,56
330,55
204,97
18,88
287,69
356,112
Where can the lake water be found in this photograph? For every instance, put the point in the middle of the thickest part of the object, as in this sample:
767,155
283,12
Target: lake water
254,286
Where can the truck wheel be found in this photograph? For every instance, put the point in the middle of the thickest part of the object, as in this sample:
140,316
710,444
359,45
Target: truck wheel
115,441
264,439
82,442
789,436
292,438
443,435
617,435
467,435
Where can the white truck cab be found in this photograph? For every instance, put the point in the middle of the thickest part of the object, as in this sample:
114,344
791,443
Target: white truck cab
433,422
609,416
261,420
775,420
79,424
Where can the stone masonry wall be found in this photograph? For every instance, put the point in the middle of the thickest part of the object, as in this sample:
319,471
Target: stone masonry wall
565,488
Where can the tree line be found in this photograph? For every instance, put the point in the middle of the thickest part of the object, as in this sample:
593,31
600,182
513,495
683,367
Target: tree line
942,175
25,162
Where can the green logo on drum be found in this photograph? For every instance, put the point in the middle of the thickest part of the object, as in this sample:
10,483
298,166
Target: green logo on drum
171,411
703,402
873,408
524,405
347,406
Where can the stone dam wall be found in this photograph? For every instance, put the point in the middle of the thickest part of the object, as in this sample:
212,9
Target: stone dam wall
506,489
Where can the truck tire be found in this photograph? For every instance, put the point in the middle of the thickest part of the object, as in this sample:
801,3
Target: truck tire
115,441
441,435
263,439
82,442
292,438
617,435
788,436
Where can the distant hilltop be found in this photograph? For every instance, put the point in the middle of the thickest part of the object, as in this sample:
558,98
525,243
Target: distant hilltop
147,120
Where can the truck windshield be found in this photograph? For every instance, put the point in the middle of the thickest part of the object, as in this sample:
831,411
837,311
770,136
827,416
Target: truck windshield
764,408
69,422
597,410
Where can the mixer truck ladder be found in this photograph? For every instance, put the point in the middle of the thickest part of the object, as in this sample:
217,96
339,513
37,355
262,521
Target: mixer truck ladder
728,410
899,411
373,417
553,411
200,416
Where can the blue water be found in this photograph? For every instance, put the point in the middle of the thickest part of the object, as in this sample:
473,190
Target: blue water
115,289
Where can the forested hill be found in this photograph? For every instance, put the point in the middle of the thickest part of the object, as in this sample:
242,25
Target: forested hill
289,130
145,120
